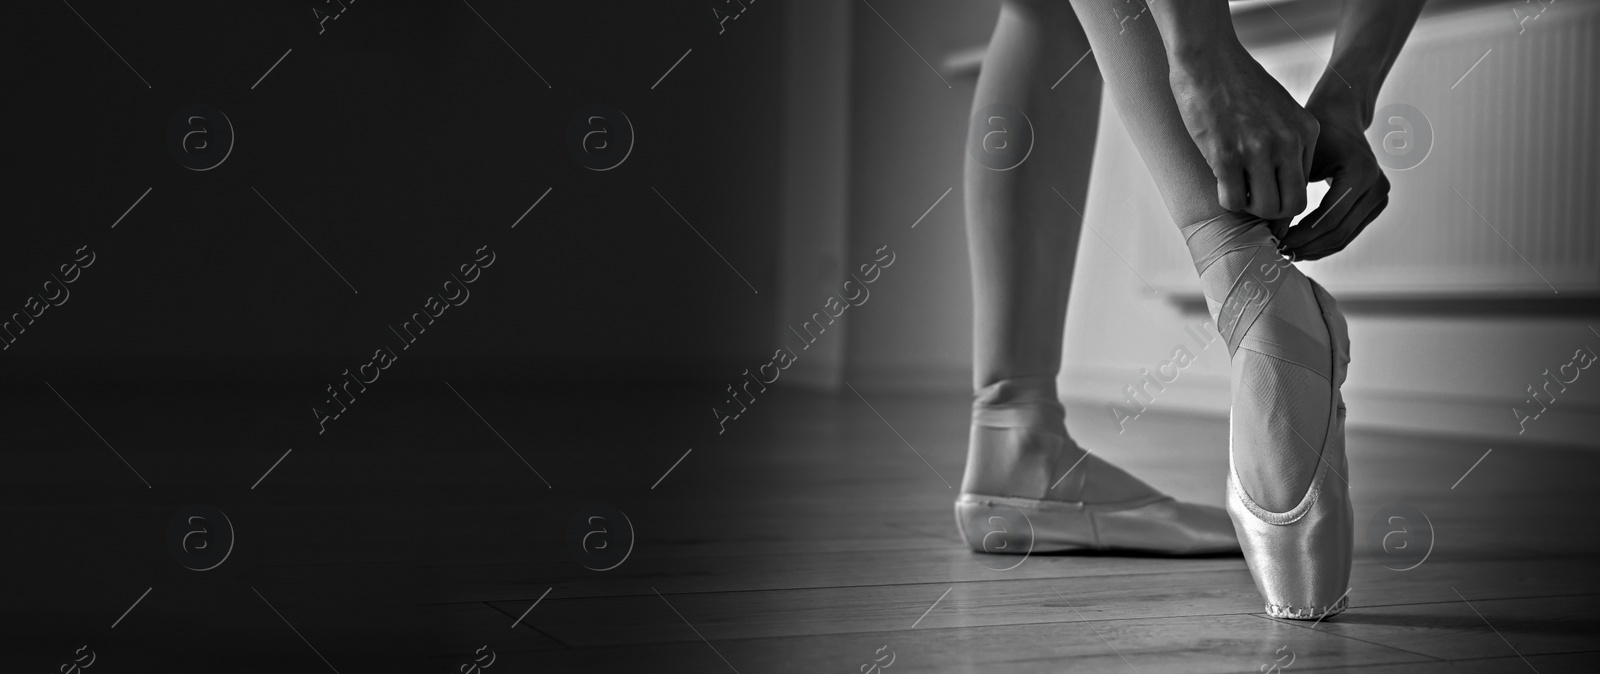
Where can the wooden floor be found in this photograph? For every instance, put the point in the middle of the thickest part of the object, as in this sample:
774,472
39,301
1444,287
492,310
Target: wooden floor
809,538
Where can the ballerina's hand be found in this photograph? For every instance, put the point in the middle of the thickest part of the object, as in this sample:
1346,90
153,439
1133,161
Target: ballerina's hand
1257,140
1357,193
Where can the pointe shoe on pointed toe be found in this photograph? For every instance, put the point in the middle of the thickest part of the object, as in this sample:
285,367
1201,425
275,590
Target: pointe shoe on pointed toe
1289,349
1300,558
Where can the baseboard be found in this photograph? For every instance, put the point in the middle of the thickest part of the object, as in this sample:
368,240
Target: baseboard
1433,414
1481,418
900,379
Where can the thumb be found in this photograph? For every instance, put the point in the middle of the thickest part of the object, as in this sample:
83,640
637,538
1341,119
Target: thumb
1279,228
1328,215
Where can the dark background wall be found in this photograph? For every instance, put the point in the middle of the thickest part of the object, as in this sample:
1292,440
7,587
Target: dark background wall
396,142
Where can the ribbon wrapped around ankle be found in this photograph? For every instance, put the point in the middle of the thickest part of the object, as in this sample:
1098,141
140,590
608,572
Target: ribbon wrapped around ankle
1242,276
1020,402
1246,293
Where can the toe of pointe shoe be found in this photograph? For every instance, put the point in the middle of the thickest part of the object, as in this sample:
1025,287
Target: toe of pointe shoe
1300,559
1158,524
1308,612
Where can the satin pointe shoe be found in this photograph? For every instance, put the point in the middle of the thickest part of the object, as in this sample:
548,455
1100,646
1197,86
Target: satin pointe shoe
1021,461
1300,558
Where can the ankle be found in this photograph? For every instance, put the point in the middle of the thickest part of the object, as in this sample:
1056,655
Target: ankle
1020,402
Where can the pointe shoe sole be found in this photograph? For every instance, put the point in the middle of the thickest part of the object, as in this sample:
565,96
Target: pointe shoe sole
1158,524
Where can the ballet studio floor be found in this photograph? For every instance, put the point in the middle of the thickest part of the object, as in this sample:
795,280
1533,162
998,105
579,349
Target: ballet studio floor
811,537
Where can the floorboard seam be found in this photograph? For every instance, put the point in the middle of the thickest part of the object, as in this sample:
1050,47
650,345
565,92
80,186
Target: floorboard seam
530,625
869,585
1056,622
1482,659
852,587
921,629
1374,643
